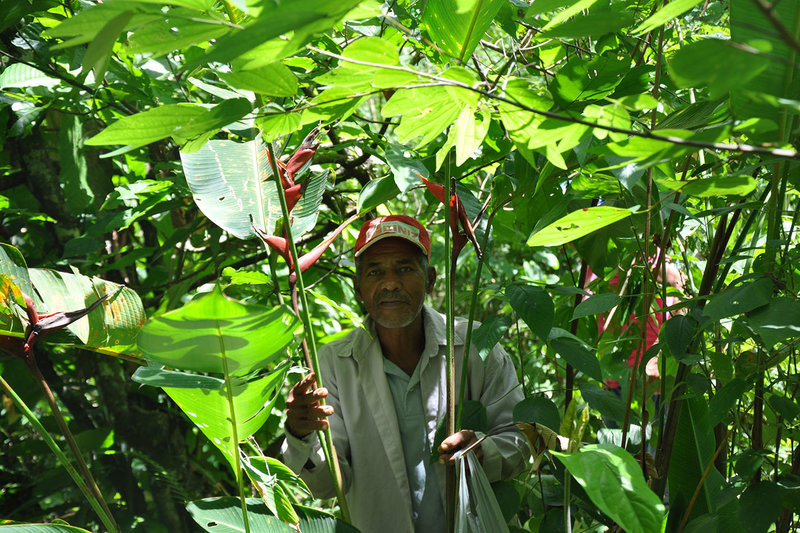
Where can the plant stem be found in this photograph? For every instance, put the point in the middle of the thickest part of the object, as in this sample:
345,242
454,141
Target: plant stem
73,446
473,306
237,464
106,518
450,419
325,435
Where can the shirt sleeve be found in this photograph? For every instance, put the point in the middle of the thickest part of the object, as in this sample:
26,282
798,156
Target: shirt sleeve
505,450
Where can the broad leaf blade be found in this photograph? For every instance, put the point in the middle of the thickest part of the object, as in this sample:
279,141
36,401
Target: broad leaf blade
534,306
200,334
577,224
231,182
211,411
614,482
458,26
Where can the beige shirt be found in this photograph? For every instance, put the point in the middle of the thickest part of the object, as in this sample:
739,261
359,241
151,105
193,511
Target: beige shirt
366,432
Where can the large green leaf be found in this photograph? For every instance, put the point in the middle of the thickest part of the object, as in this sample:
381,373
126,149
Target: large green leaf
214,412
224,515
577,355
720,64
534,306
457,27
216,334
274,79
295,16
231,182
357,77
779,78
175,30
147,127
428,111
739,299
778,322
614,482
577,224
110,329
692,452
666,13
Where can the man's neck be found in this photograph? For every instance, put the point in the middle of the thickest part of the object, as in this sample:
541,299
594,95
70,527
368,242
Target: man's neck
403,346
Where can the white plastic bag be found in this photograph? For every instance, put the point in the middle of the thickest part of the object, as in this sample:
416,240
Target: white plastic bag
477,510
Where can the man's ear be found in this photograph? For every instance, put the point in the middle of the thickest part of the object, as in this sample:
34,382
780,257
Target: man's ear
431,279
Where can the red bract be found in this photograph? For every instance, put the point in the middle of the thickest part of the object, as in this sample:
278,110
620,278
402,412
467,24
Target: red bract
458,216
281,245
40,325
296,163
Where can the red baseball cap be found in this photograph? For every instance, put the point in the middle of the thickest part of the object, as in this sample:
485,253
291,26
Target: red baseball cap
393,226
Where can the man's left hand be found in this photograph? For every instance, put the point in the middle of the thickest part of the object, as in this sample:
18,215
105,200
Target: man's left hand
458,441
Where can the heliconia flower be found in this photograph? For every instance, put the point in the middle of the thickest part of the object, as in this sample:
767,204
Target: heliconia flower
296,163
40,325
307,260
458,215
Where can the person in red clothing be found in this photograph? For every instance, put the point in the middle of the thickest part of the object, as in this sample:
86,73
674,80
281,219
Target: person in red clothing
654,319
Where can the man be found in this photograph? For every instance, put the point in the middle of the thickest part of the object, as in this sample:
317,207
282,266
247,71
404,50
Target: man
385,388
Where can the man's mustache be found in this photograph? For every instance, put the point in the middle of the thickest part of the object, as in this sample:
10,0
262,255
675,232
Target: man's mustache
393,296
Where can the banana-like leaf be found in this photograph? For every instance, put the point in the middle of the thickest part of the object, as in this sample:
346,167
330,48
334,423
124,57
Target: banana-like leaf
218,335
231,182
233,340
110,329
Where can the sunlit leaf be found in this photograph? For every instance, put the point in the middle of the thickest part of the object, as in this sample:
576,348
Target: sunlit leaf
614,482
458,26
110,329
231,182
718,63
666,13
274,79
22,75
577,224
216,334
147,127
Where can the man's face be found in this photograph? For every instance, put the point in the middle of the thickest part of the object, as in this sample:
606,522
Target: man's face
392,283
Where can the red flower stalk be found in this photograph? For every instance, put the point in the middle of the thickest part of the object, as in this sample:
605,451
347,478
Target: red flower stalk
458,216
40,325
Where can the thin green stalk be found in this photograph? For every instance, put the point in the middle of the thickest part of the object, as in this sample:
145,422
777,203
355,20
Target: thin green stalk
236,459
325,435
473,306
450,419
106,518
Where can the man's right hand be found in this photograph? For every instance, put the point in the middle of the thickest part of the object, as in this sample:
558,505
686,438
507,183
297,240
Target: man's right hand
304,413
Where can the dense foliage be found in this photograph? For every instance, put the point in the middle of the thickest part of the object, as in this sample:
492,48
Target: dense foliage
596,148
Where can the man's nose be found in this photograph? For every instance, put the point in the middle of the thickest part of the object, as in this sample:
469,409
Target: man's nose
390,281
